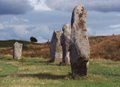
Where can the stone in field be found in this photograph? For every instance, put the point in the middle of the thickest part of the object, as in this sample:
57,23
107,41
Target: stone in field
17,50
79,46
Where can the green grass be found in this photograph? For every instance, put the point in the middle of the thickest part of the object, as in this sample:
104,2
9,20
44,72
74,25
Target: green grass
35,72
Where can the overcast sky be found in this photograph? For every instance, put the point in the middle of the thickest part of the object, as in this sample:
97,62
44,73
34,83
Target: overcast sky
21,19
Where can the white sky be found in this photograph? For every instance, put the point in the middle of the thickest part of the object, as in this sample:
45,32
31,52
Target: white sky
40,18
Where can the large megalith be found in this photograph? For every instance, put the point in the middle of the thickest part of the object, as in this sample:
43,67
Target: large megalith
55,47
17,50
79,47
65,42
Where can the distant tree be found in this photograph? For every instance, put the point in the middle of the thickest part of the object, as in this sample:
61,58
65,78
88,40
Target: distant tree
33,39
48,42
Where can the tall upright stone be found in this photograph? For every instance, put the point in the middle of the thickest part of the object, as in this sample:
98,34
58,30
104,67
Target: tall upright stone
55,47
65,42
79,47
17,50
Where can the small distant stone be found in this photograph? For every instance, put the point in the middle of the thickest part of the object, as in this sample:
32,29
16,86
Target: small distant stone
17,50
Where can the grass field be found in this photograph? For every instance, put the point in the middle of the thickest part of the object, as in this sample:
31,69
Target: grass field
109,47
35,72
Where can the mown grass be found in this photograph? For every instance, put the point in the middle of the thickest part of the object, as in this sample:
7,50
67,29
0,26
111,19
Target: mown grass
35,72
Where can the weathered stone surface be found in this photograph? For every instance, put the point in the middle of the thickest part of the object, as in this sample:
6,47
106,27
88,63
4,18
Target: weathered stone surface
79,47
17,50
65,42
55,47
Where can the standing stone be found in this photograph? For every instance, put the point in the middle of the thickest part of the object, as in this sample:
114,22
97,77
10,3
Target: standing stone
79,47
65,41
17,50
55,47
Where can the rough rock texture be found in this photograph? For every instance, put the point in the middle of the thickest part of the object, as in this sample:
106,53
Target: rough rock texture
79,47
65,41
55,47
17,50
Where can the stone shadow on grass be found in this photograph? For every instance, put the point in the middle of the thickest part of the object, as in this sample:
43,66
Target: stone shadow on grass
43,76
3,58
